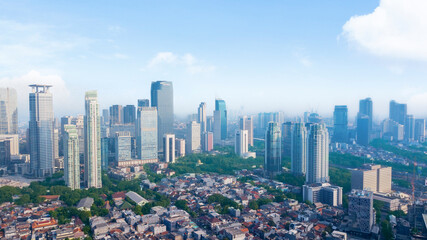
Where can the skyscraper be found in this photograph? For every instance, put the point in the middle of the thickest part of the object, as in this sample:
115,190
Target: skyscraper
210,124
299,149
66,120
104,153
361,209
409,128
105,117
8,111
217,127
123,147
246,123
162,98
169,148
146,134
41,131
129,114
55,143
286,138
317,154
241,142
363,136
116,114
340,124
222,109
202,117
143,103
273,158
420,130
365,108
92,128
192,142
180,147
398,112
71,157
207,141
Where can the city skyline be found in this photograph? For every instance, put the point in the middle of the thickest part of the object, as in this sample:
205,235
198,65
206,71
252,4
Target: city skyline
239,70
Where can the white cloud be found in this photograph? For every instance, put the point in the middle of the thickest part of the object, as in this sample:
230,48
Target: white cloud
396,28
187,61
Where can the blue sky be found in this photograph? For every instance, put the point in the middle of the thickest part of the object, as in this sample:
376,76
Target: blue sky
290,56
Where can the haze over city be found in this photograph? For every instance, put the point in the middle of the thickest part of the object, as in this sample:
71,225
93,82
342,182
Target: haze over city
290,56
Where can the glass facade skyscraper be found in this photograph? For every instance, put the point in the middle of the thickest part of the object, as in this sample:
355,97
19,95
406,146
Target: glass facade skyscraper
129,114
222,109
41,131
366,108
146,134
92,128
398,112
162,99
273,158
340,124
202,117
71,157
8,111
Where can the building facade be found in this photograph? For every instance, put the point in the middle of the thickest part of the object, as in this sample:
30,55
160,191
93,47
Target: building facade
222,109
8,111
71,157
299,149
147,133
241,143
317,154
193,141
169,148
340,124
273,158
162,99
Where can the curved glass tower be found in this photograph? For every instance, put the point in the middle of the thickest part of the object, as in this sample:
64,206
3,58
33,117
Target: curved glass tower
273,158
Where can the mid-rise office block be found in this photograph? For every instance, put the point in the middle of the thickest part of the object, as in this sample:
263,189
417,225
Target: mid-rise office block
71,157
123,147
317,154
8,111
241,145
361,210
162,98
340,124
129,114
420,130
273,158
299,149
207,141
398,112
246,123
169,148
41,131
371,177
116,114
193,142
180,147
92,127
324,193
147,133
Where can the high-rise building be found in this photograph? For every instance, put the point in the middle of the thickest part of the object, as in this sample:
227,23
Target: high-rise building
41,131
105,151
398,112
217,127
105,117
273,158
123,147
79,122
146,134
363,130
193,143
116,114
201,117
8,111
169,148
55,143
246,123
299,149
371,177
92,127
286,138
241,143
129,114
162,98
365,108
222,109
340,124
420,130
180,147
143,103
210,124
409,128
317,154
5,151
207,141
66,120
361,210
71,157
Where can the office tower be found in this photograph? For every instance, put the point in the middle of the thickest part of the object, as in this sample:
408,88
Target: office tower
92,127
409,128
299,149
66,120
79,122
105,117
221,108
340,124
371,177
286,138
273,158
123,147
169,148
14,142
420,130
207,141
193,143
361,209
241,143
246,123
363,130
201,117
143,103
55,143
8,111
217,127
41,131
71,157
317,154
162,98
322,192
5,155
129,114
315,118
398,112
116,114
366,108
180,147
146,134
209,123
104,153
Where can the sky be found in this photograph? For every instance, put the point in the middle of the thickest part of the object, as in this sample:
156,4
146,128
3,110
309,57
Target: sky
259,56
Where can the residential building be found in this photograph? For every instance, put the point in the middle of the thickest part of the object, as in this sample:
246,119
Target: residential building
361,210
169,148
71,156
193,143
317,154
246,123
375,178
8,111
299,149
241,143
180,147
